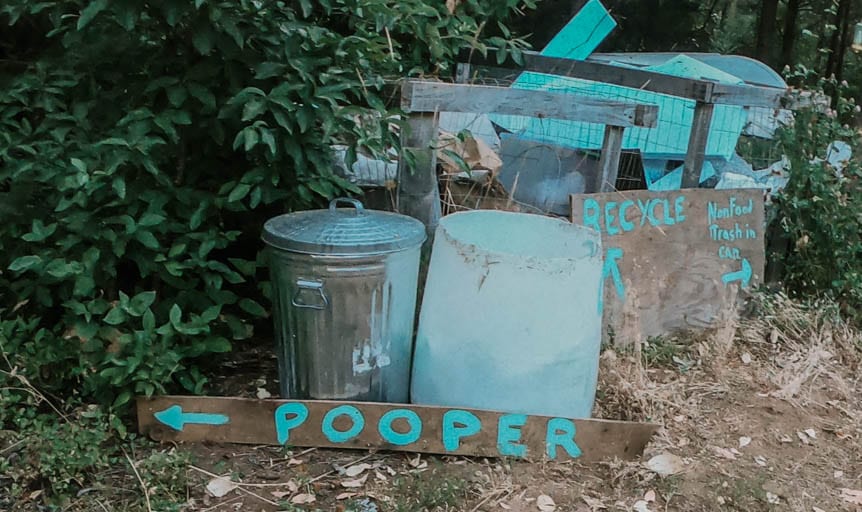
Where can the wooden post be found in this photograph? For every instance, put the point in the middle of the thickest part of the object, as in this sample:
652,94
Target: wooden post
699,137
418,193
462,74
610,161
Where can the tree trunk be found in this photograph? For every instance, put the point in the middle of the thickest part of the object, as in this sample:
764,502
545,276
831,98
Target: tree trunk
846,35
732,8
766,30
836,49
790,32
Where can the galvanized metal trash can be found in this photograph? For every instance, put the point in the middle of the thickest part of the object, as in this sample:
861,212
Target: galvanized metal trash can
344,298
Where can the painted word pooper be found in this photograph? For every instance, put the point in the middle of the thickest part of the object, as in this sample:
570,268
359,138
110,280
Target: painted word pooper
397,427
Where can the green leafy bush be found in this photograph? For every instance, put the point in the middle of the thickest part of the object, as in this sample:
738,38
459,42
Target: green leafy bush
143,144
819,212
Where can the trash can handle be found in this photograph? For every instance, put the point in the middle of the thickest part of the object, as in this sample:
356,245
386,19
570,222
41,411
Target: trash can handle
314,286
333,205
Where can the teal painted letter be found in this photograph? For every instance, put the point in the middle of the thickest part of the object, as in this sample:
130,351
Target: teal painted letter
561,432
336,436
679,208
458,424
297,414
391,436
609,218
508,435
592,214
626,224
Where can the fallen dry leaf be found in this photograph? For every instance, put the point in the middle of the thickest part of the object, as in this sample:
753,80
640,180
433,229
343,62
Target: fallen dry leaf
303,499
546,503
280,494
786,439
593,503
295,462
772,498
851,496
744,441
346,496
723,453
760,460
641,506
666,464
811,433
803,437
353,484
220,486
649,496
356,470
380,476
418,463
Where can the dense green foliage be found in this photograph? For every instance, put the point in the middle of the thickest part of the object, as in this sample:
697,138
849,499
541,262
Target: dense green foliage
143,144
819,211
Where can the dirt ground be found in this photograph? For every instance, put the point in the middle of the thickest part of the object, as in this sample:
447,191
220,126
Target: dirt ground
763,414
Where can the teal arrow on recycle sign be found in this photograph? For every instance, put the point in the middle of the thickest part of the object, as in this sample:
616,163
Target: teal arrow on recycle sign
743,276
175,418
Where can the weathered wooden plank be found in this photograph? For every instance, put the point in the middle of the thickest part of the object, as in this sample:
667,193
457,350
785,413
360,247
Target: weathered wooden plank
697,142
462,73
610,162
418,192
393,427
420,96
748,95
674,260
600,72
698,90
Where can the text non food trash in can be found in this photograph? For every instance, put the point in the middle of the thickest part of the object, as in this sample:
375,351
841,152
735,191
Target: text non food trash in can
344,298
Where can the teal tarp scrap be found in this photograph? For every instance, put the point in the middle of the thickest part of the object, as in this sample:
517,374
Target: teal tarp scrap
669,139
673,179
583,34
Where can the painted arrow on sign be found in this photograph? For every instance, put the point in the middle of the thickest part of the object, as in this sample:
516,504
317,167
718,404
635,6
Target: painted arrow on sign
612,270
175,418
743,276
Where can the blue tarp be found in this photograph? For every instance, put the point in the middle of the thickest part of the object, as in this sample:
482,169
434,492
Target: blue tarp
668,140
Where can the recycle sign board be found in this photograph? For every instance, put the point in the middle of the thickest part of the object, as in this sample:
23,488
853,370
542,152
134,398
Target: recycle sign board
674,260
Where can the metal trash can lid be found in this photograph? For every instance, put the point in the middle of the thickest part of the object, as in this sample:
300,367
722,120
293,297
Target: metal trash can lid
343,231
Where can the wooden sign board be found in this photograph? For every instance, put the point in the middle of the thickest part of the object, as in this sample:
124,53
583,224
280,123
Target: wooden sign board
674,260
396,427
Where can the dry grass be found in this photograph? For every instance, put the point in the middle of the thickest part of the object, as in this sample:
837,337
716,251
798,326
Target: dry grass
803,374
804,348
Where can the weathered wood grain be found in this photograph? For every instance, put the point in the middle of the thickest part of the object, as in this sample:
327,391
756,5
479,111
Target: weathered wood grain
252,421
422,96
698,90
671,276
612,149
697,142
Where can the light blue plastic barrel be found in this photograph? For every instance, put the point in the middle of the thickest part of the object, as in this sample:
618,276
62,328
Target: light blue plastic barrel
510,318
